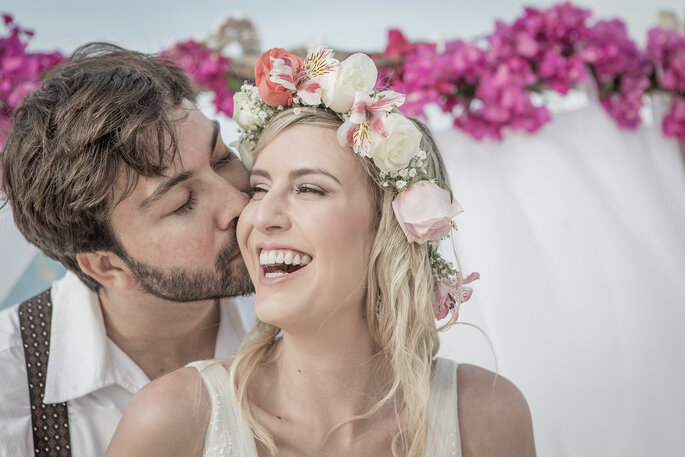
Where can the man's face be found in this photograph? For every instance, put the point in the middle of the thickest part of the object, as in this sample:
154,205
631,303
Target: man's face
177,231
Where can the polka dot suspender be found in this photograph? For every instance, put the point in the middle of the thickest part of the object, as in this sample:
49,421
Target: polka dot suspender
50,422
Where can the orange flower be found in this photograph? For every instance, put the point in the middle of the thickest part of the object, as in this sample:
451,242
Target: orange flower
272,93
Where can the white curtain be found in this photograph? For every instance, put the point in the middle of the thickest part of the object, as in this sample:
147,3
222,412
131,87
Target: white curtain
578,232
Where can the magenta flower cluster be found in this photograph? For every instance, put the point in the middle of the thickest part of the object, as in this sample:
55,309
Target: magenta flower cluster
207,69
488,86
621,70
667,50
20,71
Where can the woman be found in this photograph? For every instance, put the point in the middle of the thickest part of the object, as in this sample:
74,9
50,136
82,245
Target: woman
348,202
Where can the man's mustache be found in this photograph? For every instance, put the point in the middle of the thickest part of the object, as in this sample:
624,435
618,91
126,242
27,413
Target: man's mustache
229,250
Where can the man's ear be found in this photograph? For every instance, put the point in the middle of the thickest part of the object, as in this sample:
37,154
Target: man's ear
106,268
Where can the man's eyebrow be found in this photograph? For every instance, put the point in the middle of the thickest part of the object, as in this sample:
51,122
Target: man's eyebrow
164,188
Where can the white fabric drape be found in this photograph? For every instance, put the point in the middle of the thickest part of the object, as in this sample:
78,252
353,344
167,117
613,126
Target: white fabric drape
578,232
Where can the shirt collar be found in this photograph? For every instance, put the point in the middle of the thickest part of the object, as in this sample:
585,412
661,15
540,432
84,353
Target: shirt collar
83,359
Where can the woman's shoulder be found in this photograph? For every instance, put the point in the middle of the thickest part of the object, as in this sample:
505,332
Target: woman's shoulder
494,418
167,417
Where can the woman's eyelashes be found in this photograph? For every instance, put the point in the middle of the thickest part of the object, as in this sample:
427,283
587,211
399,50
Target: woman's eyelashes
299,189
310,189
256,190
187,206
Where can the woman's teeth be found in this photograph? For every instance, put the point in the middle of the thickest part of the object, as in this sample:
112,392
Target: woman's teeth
282,262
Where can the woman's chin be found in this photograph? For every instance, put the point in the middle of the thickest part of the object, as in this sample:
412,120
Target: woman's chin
274,312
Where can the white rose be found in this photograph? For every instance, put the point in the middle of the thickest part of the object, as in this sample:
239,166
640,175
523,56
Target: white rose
357,73
244,112
245,149
394,152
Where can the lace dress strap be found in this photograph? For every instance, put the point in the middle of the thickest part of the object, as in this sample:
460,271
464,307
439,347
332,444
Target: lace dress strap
228,434
444,419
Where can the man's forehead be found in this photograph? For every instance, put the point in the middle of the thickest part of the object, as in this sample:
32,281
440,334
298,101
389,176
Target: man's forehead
195,138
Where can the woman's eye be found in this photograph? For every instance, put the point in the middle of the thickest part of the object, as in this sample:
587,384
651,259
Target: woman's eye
310,189
255,191
187,206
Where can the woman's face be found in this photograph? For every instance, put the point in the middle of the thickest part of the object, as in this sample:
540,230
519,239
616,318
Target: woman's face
307,231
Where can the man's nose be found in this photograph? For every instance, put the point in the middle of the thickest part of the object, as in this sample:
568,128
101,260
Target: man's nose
230,202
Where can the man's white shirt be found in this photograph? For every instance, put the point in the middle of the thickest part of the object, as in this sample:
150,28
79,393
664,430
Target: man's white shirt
85,369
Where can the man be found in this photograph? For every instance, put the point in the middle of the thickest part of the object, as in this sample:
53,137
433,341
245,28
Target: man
112,170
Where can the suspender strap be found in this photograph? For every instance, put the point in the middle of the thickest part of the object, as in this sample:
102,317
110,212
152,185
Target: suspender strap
50,422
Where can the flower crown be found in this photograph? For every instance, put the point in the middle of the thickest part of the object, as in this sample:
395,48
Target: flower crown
423,207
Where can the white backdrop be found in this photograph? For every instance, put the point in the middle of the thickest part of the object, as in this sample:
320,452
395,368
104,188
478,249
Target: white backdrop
578,232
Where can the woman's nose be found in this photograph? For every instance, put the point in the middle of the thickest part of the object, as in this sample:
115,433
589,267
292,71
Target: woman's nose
271,215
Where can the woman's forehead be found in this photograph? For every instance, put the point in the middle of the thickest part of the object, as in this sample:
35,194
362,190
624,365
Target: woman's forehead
304,145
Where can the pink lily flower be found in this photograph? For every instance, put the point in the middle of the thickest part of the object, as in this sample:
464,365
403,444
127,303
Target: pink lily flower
366,124
446,295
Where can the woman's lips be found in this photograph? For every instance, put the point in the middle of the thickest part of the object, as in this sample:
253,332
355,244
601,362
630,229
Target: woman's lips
278,263
273,280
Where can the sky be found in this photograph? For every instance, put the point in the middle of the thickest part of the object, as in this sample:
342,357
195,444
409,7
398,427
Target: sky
346,25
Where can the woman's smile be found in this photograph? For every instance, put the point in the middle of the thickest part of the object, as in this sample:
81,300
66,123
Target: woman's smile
280,263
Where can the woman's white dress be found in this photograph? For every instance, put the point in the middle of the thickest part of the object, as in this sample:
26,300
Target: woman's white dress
229,435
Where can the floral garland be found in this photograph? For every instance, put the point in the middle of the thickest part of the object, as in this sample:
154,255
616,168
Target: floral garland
375,131
486,86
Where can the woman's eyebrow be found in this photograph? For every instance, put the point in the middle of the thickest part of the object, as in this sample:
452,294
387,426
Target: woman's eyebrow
311,171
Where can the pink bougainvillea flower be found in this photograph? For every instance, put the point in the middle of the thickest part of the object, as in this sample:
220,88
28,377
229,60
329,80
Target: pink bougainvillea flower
398,45
621,69
667,49
207,69
367,120
20,71
674,122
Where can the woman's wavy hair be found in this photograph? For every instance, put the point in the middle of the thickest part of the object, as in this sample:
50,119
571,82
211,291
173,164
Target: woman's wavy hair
399,306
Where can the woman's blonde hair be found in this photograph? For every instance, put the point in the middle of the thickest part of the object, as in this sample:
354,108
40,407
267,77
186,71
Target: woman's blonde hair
399,306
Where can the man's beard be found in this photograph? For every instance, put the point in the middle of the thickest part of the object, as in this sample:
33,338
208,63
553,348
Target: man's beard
184,285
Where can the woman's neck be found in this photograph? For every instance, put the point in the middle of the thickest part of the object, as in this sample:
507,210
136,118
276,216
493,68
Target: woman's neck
324,377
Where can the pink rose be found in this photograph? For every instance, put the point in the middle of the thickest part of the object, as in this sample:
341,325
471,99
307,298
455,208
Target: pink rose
425,211
272,93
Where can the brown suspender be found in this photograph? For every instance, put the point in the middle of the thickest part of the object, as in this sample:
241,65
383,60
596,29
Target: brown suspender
50,422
